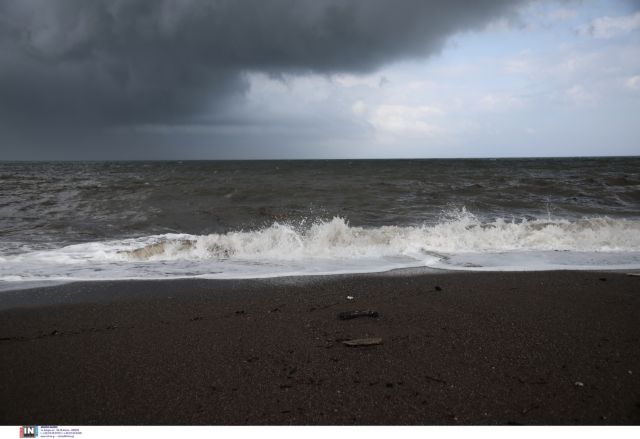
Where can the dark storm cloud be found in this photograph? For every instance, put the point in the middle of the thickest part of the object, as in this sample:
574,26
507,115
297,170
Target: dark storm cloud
138,61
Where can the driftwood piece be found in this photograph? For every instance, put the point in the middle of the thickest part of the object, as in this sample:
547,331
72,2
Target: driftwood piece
362,342
348,315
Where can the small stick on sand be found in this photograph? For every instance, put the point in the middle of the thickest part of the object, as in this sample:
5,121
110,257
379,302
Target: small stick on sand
363,342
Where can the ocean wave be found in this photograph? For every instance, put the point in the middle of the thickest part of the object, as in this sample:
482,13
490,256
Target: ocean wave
460,240
462,232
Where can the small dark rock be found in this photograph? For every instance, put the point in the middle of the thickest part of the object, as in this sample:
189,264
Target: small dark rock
603,279
437,288
437,380
240,312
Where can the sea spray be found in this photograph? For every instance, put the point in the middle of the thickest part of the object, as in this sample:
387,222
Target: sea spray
459,241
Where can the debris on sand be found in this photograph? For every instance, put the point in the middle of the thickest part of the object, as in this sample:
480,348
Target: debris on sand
362,342
348,315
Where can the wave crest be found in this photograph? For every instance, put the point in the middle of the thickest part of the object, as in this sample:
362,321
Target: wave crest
463,232
459,241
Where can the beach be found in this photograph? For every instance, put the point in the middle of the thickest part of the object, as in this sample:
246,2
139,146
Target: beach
344,213
454,348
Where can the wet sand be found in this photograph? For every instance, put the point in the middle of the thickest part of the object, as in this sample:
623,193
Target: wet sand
456,348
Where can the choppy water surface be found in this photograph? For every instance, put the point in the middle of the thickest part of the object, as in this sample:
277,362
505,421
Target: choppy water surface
267,218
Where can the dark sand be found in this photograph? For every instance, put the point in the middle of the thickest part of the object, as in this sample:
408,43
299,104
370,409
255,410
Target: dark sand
493,348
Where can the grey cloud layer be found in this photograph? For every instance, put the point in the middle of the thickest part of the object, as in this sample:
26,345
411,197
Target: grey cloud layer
104,63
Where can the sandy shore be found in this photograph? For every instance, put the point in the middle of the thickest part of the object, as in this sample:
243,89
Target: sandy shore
457,348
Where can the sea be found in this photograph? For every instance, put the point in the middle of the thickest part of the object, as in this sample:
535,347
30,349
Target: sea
68,221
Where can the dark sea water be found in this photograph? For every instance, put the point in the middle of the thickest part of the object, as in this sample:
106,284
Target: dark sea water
84,220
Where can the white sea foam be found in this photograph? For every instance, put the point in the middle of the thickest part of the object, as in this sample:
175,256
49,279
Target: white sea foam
459,241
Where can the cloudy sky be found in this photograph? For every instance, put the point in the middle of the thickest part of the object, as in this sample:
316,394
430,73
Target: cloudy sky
223,79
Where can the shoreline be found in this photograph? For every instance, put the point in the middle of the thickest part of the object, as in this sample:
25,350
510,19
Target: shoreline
559,347
30,294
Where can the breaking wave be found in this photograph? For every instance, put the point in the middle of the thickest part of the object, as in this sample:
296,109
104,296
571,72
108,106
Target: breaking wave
459,241
336,239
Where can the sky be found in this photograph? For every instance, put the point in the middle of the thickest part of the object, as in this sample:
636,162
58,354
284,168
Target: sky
293,79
